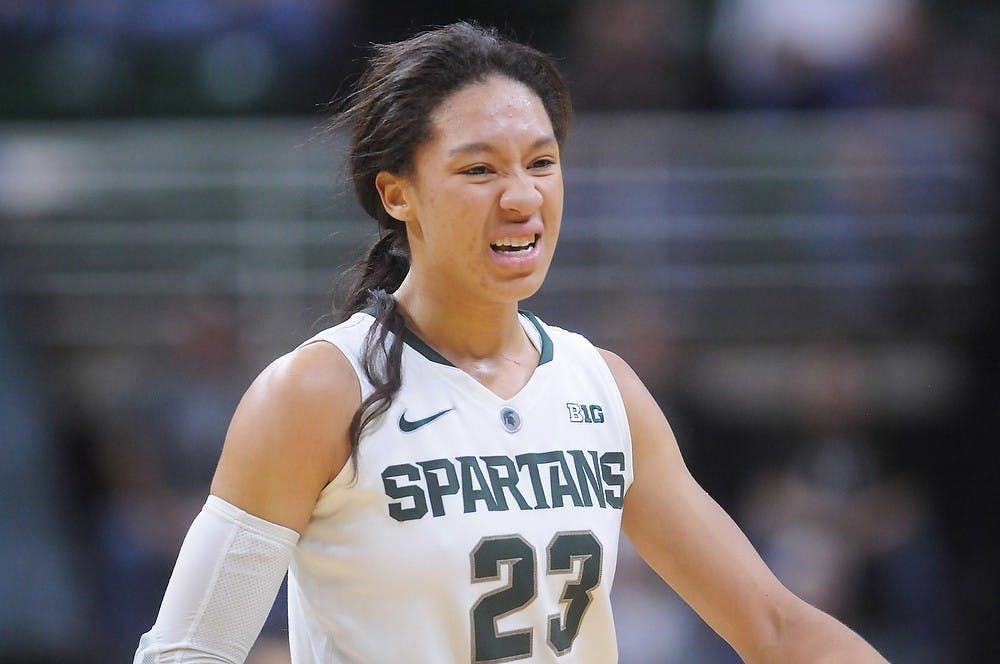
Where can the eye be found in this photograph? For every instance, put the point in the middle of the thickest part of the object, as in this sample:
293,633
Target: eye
544,162
478,169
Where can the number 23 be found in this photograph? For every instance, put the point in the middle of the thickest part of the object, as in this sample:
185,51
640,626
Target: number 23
518,556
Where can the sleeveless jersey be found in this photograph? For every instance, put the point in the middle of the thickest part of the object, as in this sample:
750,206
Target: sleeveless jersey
477,529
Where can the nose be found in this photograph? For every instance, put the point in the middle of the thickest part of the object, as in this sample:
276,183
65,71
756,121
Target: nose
521,196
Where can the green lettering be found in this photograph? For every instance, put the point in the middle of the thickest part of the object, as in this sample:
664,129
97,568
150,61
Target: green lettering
531,462
508,482
561,488
588,476
435,489
470,492
616,480
411,491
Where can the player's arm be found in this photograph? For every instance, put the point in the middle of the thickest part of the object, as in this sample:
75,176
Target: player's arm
287,440
701,553
289,436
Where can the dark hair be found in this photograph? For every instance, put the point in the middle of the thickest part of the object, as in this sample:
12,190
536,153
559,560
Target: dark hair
389,116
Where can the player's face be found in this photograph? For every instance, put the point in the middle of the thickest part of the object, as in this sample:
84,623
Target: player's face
486,195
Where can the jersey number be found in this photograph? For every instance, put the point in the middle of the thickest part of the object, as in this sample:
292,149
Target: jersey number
518,557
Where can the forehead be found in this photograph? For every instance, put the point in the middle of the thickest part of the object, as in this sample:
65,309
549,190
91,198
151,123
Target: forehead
495,109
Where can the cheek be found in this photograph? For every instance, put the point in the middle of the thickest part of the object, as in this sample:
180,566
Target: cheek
554,205
461,214
452,230
556,191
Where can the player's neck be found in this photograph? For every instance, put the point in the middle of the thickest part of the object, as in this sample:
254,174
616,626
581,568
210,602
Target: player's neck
463,330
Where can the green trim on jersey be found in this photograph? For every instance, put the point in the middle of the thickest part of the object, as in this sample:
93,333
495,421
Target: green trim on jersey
419,345
545,355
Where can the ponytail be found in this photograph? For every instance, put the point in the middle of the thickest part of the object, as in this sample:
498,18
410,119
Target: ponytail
383,268
377,276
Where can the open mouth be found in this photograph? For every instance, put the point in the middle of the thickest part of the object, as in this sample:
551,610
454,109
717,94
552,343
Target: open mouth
514,245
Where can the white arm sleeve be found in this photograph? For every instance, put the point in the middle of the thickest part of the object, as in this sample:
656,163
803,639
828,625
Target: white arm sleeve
227,575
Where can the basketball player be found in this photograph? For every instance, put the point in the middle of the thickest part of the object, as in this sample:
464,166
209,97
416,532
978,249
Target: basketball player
447,476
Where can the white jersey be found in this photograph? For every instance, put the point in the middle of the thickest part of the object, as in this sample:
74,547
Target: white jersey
477,529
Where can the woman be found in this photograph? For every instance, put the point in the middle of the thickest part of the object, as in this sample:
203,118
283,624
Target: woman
447,476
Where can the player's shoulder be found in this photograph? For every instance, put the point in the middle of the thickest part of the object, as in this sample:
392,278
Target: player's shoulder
614,361
563,338
348,331
315,373
314,383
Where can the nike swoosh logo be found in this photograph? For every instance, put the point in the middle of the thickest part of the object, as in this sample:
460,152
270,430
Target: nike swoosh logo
407,426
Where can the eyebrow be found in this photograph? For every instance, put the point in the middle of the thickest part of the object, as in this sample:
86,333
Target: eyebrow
481,146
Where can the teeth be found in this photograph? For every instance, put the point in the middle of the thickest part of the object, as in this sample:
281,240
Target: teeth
517,242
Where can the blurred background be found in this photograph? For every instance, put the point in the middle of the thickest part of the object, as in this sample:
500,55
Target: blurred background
783,213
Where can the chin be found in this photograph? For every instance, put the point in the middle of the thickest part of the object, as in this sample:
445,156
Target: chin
520,289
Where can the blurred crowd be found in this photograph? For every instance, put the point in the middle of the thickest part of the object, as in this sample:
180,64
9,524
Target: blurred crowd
842,523
95,504
79,58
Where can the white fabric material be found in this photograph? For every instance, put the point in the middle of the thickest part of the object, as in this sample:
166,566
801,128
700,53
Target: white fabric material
384,570
225,580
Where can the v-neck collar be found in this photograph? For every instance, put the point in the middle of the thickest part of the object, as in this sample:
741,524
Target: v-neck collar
545,351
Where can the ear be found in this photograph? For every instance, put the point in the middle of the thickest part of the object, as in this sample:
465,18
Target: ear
392,190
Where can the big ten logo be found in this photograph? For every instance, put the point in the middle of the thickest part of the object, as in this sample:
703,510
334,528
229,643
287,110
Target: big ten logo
588,413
